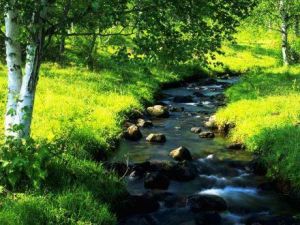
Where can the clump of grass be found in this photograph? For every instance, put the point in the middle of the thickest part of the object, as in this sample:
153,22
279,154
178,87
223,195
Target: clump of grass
73,206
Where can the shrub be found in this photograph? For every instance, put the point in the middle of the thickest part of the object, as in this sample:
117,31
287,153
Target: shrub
23,163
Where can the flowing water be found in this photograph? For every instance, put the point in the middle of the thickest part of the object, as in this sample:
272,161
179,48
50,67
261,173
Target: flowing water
225,173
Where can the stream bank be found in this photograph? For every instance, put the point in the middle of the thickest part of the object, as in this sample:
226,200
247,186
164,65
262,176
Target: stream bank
216,185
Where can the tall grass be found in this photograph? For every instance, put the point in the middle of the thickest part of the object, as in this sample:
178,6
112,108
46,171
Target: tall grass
265,105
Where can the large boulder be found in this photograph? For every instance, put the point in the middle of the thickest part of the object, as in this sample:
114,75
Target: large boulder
183,99
156,180
133,133
156,138
144,123
206,202
207,134
181,154
158,111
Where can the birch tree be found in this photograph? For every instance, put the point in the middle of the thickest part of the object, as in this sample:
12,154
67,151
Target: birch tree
283,14
176,30
32,23
21,88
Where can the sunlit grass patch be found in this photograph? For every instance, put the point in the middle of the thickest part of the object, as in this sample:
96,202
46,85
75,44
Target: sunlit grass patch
264,105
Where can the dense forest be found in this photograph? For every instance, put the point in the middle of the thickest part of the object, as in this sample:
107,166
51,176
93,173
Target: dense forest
95,94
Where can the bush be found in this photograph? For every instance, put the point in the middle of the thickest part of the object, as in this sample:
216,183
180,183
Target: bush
23,163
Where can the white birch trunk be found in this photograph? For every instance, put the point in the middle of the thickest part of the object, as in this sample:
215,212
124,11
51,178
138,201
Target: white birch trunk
30,78
27,92
14,63
22,89
284,32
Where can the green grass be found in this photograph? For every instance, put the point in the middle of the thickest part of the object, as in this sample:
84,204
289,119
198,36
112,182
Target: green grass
80,113
265,105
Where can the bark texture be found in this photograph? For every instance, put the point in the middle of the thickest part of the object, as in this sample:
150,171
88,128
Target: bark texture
284,32
14,63
22,88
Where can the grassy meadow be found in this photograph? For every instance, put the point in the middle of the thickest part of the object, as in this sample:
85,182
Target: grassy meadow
265,105
79,114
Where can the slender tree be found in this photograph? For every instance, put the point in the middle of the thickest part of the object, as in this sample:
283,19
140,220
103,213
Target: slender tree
284,14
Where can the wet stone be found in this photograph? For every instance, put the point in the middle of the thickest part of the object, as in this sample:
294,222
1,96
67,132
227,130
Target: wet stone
236,146
211,123
202,203
138,204
196,130
144,123
140,169
207,134
176,109
158,111
156,180
183,172
156,138
133,133
181,154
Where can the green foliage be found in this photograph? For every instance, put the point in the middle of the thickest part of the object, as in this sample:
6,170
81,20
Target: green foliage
184,31
23,163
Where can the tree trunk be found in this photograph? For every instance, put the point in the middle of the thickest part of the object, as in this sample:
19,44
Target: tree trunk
90,57
28,88
284,32
21,91
297,26
14,63
64,29
62,45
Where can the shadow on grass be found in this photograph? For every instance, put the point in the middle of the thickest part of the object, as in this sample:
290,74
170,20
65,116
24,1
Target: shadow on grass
258,50
260,83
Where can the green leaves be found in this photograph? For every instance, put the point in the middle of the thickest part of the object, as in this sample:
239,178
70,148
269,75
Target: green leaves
23,163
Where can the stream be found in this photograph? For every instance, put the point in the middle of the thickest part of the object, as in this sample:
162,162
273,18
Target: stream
220,171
